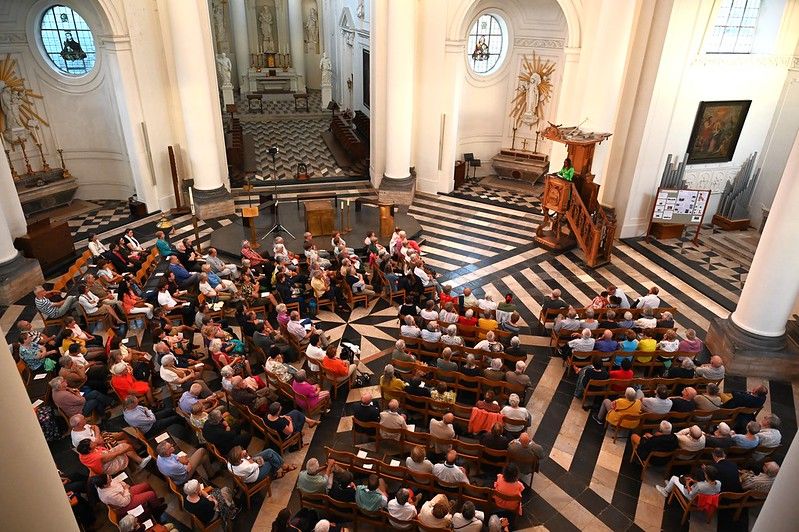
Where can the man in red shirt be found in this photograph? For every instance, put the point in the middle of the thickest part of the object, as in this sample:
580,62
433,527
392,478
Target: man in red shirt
625,373
445,297
468,319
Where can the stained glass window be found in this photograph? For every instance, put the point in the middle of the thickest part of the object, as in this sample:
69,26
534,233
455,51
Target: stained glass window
485,46
67,40
734,29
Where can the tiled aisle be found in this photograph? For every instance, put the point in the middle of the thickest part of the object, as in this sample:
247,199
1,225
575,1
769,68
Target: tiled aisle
486,243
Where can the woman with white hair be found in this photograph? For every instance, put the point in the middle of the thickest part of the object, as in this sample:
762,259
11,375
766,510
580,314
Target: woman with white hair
309,395
468,318
582,344
180,378
489,343
452,338
130,523
629,405
219,354
628,322
409,328
431,333
283,316
514,411
206,505
495,372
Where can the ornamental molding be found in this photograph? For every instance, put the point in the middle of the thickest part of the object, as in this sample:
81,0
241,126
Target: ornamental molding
711,178
538,42
13,38
738,60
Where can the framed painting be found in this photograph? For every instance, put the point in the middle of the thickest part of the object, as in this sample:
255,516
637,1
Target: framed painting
717,127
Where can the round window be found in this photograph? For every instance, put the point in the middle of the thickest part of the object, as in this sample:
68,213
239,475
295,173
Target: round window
67,40
487,44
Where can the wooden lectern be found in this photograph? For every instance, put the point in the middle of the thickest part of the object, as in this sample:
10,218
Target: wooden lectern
320,217
553,233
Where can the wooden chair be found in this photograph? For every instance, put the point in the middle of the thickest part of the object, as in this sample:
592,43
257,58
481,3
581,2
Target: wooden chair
92,319
336,382
196,523
271,436
254,488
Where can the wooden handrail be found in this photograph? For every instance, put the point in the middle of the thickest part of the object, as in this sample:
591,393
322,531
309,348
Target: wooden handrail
594,233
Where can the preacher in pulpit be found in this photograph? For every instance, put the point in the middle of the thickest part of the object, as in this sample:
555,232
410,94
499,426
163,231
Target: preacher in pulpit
567,172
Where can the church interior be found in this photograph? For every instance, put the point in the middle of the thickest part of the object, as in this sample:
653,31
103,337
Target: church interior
424,265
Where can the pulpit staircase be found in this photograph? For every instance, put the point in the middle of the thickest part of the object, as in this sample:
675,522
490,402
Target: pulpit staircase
568,222
594,232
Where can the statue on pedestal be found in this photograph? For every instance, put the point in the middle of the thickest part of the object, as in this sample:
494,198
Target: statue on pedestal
312,31
266,20
327,69
218,17
361,11
10,104
223,68
535,90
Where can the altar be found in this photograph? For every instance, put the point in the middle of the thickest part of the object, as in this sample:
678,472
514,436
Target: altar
520,164
272,80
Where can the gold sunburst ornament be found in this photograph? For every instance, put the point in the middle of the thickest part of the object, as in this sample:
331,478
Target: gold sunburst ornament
533,92
17,109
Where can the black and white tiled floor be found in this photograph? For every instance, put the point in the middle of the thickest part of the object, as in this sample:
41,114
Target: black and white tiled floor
483,239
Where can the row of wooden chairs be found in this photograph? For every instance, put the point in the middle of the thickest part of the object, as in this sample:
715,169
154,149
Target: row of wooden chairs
433,350
728,500
547,316
705,419
476,455
562,337
605,388
648,360
680,457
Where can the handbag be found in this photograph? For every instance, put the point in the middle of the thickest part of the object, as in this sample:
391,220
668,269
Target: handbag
49,364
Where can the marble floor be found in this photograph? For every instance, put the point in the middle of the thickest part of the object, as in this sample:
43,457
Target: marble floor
484,241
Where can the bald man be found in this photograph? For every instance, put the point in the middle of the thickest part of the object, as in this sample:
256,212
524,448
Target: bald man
367,411
522,451
712,371
442,429
392,419
553,300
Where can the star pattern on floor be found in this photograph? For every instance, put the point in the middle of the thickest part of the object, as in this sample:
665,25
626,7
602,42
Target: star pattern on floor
373,328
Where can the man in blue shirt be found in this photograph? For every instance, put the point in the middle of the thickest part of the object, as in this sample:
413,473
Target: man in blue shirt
192,396
217,283
181,468
182,275
146,420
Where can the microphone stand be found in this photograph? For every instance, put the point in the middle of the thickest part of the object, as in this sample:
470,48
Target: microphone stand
278,227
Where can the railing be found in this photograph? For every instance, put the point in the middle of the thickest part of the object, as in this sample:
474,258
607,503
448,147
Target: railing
594,233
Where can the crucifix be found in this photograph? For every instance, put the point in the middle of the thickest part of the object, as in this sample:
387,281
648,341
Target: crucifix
524,144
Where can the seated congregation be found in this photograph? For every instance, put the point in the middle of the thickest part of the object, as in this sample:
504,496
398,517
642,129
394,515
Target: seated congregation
221,371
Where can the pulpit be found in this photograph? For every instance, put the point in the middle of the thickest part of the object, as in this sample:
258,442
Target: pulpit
320,217
572,214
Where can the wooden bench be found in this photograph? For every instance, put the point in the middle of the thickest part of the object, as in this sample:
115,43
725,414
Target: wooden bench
580,359
604,388
549,315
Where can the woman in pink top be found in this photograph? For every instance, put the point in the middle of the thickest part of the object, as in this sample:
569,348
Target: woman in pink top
508,484
690,344
283,317
308,395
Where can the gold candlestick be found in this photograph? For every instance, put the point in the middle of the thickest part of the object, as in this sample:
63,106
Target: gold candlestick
45,166
67,175
14,173
28,168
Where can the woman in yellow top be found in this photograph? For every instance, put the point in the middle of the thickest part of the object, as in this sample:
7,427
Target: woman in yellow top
629,405
567,172
390,384
647,344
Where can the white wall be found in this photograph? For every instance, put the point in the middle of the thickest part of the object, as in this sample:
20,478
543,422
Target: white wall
484,125
686,77
80,111
348,37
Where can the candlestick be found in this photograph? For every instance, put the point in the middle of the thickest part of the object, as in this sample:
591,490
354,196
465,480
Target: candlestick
45,166
191,201
28,168
14,173
66,173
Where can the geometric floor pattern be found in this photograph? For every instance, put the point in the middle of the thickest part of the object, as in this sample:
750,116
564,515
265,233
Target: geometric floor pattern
483,239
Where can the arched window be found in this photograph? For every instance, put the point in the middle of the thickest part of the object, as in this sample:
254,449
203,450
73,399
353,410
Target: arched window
487,43
67,40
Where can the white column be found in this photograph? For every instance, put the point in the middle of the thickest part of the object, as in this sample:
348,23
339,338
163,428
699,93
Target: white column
567,112
241,45
9,199
297,41
780,508
32,486
7,249
378,29
190,32
772,284
123,73
399,88
601,101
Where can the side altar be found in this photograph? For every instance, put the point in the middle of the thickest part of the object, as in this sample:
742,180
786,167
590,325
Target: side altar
520,164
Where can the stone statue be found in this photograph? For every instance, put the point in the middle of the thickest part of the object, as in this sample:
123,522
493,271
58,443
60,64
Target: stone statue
312,30
10,104
223,67
266,20
533,97
361,11
219,24
327,69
